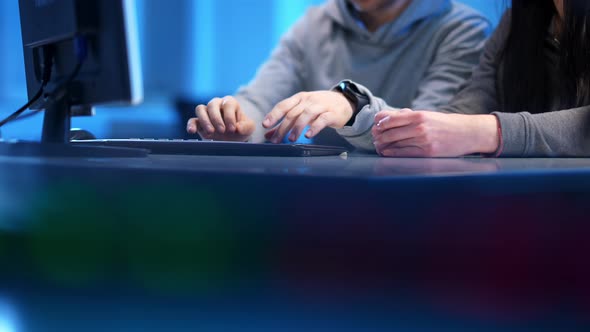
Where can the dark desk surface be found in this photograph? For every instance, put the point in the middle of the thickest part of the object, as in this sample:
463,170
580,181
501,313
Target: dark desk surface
366,172
352,166
320,182
296,243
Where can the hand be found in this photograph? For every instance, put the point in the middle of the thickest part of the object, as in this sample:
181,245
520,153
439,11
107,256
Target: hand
408,133
221,120
319,109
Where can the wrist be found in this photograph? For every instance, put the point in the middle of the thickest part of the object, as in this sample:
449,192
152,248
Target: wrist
486,134
356,99
349,108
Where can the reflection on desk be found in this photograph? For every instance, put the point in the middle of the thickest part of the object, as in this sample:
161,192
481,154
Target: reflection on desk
226,243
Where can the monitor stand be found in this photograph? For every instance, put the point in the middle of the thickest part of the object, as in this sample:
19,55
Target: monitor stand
55,141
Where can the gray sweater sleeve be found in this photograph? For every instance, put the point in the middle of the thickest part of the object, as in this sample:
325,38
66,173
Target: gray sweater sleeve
560,133
278,78
359,134
451,67
453,64
555,134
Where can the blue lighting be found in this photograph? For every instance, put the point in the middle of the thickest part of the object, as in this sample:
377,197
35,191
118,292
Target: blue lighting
203,74
8,317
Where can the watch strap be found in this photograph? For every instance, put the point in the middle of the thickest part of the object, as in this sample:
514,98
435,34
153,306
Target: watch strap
358,99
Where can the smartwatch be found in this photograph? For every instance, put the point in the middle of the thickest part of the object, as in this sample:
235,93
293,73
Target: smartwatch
358,99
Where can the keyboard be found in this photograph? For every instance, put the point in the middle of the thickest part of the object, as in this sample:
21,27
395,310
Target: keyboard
217,148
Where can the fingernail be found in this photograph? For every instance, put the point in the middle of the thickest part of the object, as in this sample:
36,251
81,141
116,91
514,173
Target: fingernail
382,121
266,123
292,138
231,128
221,128
209,129
190,129
309,134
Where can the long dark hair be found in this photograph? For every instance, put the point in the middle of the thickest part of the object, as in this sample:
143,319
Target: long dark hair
526,85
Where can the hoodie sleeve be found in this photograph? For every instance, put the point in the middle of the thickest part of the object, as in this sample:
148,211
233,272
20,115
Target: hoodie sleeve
452,65
359,134
280,77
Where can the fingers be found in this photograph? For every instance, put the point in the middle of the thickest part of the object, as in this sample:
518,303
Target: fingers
309,115
398,134
384,114
390,112
269,134
287,123
219,117
203,125
385,120
194,127
411,147
324,120
191,126
214,113
402,143
281,110
229,109
244,125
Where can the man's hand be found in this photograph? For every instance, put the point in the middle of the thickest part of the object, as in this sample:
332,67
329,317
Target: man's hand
221,120
408,133
319,109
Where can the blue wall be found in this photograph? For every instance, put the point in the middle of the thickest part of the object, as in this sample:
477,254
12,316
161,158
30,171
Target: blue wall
194,48
12,79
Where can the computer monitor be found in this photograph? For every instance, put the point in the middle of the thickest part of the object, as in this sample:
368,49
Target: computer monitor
91,49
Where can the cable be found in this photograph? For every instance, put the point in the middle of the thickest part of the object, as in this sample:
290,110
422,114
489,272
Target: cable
31,114
81,49
59,89
67,82
15,115
48,53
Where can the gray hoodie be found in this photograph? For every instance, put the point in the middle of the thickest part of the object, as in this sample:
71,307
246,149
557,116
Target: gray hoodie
420,60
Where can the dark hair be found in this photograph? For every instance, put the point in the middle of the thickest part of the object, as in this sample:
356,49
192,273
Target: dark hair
525,84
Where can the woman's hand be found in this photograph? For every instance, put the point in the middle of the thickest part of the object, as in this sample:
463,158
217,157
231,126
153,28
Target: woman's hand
318,110
221,120
408,133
